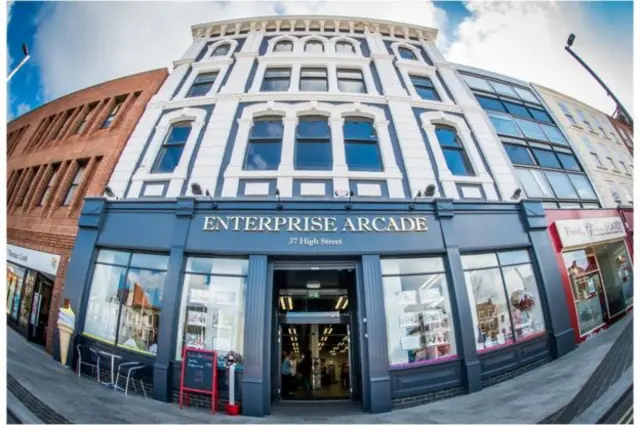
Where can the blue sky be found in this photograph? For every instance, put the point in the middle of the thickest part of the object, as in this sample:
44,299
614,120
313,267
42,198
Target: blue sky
78,44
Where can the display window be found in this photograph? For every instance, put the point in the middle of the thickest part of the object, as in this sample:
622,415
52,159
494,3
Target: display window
15,280
26,298
418,311
212,306
125,299
505,300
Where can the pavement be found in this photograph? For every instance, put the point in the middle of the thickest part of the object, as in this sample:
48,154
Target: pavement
55,394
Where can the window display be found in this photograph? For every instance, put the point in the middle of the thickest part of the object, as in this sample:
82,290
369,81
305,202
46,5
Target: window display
27,297
212,307
15,279
503,289
128,286
418,311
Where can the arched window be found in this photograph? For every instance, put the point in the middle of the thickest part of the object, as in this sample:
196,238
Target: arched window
265,144
172,147
345,47
283,46
361,145
221,50
406,53
314,46
454,152
313,144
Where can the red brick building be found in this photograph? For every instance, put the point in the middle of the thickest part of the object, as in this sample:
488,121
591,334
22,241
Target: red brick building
56,155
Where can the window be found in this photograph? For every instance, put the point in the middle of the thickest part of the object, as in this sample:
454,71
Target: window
540,115
74,185
627,193
490,103
583,187
534,183
47,191
313,79
561,185
505,125
276,79
125,299
526,94
212,306
114,111
351,80
503,88
85,118
265,144
361,145
424,87
345,47
171,150
546,158
314,46
519,154
614,191
202,84
517,109
418,311
313,144
567,113
221,50
553,134
584,120
477,83
454,152
283,46
569,162
592,151
531,129
506,306
406,53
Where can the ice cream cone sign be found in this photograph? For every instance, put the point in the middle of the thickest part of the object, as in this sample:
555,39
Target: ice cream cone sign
66,326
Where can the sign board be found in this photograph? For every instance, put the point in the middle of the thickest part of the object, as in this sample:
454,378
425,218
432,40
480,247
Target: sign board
36,260
589,231
199,374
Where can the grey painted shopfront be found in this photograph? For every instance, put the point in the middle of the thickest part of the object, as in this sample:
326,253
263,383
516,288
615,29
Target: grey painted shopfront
262,233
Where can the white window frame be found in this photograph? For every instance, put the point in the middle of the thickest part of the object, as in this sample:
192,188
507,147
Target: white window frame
355,43
415,49
220,64
296,45
210,49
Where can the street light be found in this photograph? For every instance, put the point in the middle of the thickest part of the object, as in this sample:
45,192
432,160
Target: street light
570,41
24,60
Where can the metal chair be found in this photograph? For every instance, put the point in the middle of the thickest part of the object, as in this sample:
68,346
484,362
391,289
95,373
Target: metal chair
132,368
92,355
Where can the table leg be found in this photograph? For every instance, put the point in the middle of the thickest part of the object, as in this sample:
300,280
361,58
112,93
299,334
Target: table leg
113,360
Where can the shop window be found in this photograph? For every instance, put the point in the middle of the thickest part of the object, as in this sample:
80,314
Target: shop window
221,50
351,80
202,84
361,145
212,306
424,87
15,281
345,47
314,46
114,111
265,144
313,144
417,306
172,147
454,153
313,79
74,185
406,53
276,79
125,299
283,46
506,306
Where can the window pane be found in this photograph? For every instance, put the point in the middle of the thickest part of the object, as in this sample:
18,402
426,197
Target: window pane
344,47
526,94
141,307
540,115
231,266
199,89
363,156
419,322
561,185
489,308
168,159
212,315
490,103
179,134
309,128
477,83
283,46
582,185
447,137
395,266
421,81
313,155
314,46
519,154
504,125
524,300
113,257
267,128
70,194
275,85
150,261
479,261
313,72
102,308
427,93
406,53
503,88
554,134
508,258
569,162
277,72
221,50
208,77
546,158
614,190
78,177
531,129
313,85
534,183
352,86
263,155
518,110
457,162
356,129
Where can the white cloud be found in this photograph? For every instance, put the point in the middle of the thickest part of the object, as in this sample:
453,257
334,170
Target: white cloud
78,44
22,109
526,40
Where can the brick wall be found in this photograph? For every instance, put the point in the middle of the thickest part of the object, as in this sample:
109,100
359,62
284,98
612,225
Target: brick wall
49,136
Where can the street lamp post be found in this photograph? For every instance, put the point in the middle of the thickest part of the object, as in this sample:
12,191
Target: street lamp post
570,41
24,60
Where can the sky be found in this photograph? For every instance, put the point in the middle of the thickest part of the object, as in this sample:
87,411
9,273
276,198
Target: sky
76,44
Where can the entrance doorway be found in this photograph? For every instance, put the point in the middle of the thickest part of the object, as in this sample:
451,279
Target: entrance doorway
314,356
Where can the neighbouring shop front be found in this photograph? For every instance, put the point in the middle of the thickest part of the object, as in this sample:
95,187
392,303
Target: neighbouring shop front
593,253
395,303
30,278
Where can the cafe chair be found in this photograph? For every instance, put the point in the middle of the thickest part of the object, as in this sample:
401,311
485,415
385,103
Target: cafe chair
89,357
131,368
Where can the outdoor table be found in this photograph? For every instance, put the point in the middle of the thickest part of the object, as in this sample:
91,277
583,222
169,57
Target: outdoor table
111,384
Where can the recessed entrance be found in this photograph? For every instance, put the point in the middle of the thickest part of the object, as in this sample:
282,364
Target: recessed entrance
314,339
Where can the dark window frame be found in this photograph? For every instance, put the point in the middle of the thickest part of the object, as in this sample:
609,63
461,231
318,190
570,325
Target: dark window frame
220,46
301,140
256,140
313,78
412,54
168,143
351,79
196,85
362,141
421,82
459,148
267,78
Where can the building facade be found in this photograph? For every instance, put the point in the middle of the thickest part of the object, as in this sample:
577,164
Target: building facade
624,129
311,174
56,155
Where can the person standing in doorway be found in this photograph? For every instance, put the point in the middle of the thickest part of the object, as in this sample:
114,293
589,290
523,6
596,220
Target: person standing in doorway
286,374
305,368
344,375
